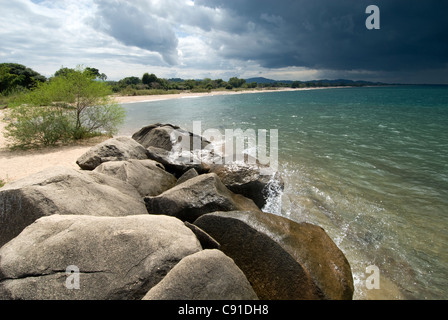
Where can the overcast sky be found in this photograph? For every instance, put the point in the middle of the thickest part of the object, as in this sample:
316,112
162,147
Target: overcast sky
282,39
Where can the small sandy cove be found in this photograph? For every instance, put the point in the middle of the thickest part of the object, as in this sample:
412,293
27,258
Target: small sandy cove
18,164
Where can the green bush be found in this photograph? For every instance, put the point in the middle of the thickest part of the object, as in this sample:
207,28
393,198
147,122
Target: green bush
129,91
34,125
69,107
200,90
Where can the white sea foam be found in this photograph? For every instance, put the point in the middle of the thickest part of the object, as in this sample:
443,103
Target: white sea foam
273,193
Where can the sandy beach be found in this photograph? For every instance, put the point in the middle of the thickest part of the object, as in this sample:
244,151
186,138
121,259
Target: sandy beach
18,164
134,99
183,95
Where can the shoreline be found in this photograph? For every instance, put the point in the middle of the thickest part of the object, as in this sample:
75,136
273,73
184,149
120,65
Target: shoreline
17,164
186,95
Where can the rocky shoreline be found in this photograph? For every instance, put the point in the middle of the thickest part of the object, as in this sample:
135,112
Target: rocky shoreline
138,223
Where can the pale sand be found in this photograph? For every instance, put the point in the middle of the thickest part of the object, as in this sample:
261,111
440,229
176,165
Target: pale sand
134,99
15,165
18,164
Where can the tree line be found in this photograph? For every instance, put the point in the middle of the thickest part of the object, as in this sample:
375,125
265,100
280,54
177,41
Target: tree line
16,78
150,83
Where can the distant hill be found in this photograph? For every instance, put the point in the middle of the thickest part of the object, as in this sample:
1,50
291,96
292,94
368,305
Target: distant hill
262,80
344,82
323,82
176,80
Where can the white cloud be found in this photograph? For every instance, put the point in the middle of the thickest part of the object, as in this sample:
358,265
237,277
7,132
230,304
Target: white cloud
51,34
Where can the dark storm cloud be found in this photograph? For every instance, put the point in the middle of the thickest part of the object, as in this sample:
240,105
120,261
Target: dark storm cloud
332,35
133,24
284,39
318,34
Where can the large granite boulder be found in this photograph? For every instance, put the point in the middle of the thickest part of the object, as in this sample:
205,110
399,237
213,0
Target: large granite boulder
166,136
147,176
115,149
177,149
197,196
206,275
310,246
113,258
177,163
252,181
281,258
61,190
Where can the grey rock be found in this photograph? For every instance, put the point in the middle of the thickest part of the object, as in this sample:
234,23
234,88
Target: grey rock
146,176
177,149
197,196
206,275
117,257
61,190
251,181
166,136
188,175
272,271
176,163
207,242
115,149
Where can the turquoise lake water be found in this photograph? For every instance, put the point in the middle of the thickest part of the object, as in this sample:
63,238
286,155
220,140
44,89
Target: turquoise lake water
369,165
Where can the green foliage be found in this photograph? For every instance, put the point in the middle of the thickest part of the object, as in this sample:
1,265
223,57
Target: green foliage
129,81
151,84
73,105
63,72
8,80
200,90
93,72
295,84
96,73
130,91
2,183
16,77
36,125
236,83
8,98
123,84
149,78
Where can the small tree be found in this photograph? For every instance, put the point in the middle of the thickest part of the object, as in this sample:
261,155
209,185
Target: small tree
72,105
34,126
130,81
148,79
63,71
236,83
